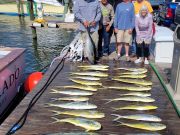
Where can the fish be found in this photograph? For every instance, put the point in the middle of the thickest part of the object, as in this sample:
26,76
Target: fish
81,87
131,99
88,125
140,117
73,133
145,126
89,48
137,107
130,88
143,134
74,105
134,81
132,76
95,69
73,92
86,78
96,74
134,73
133,69
74,98
86,82
84,113
140,94
94,66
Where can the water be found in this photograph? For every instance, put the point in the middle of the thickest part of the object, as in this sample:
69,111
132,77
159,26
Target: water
15,32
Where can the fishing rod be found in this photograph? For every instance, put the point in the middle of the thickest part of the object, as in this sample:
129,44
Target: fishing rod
19,124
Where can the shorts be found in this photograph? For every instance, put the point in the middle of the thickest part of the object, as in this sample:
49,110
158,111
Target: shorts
123,36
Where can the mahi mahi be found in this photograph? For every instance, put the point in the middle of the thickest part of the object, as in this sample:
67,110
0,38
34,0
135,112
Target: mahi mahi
145,126
134,69
130,88
140,117
73,133
96,74
82,113
140,94
89,125
86,78
74,98
134,73
137,107
85,82
134,81
81,87
73,92
132,76
94,66
131,99
95,69
74,105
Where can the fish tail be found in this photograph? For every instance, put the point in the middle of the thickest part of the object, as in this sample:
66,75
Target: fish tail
118,116
48,105
54,99
115,109
54,91
56,120
108,100
55,112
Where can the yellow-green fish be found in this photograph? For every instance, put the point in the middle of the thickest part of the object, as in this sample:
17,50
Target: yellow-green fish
91,78
74,98
94,66
131,99
140,94
96,74
73,92
137,107
145,126
85,82
95,69
74,105
130,88
134,81
143,134
134,73
89,125
141,117
76,133
82,113
81,87
132,76
134,69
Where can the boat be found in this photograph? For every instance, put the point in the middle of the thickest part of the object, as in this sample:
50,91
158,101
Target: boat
11,75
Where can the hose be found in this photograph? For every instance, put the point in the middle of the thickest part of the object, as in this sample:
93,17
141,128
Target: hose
165,88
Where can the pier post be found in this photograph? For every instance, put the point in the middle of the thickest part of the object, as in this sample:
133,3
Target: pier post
31,12
18,7
65,8
22,8
34,34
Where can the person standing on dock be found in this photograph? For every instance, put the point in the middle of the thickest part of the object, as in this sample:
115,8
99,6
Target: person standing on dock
144,33
137,6
124,24
88,14
106,26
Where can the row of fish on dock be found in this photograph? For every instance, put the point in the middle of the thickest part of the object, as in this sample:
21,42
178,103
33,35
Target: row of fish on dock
78,105
88,81
139,91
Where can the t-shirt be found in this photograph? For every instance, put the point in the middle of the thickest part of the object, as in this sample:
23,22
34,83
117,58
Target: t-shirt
137,6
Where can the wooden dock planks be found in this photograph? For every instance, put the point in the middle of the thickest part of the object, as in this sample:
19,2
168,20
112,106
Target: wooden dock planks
39,119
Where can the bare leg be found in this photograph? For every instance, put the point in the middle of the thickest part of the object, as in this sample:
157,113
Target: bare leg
127,49
119,47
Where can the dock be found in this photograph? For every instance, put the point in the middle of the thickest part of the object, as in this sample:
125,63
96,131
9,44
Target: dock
39,121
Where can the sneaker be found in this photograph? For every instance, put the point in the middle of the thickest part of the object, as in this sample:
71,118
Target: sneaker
117,57
138,61
146,62
127,58
105,54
